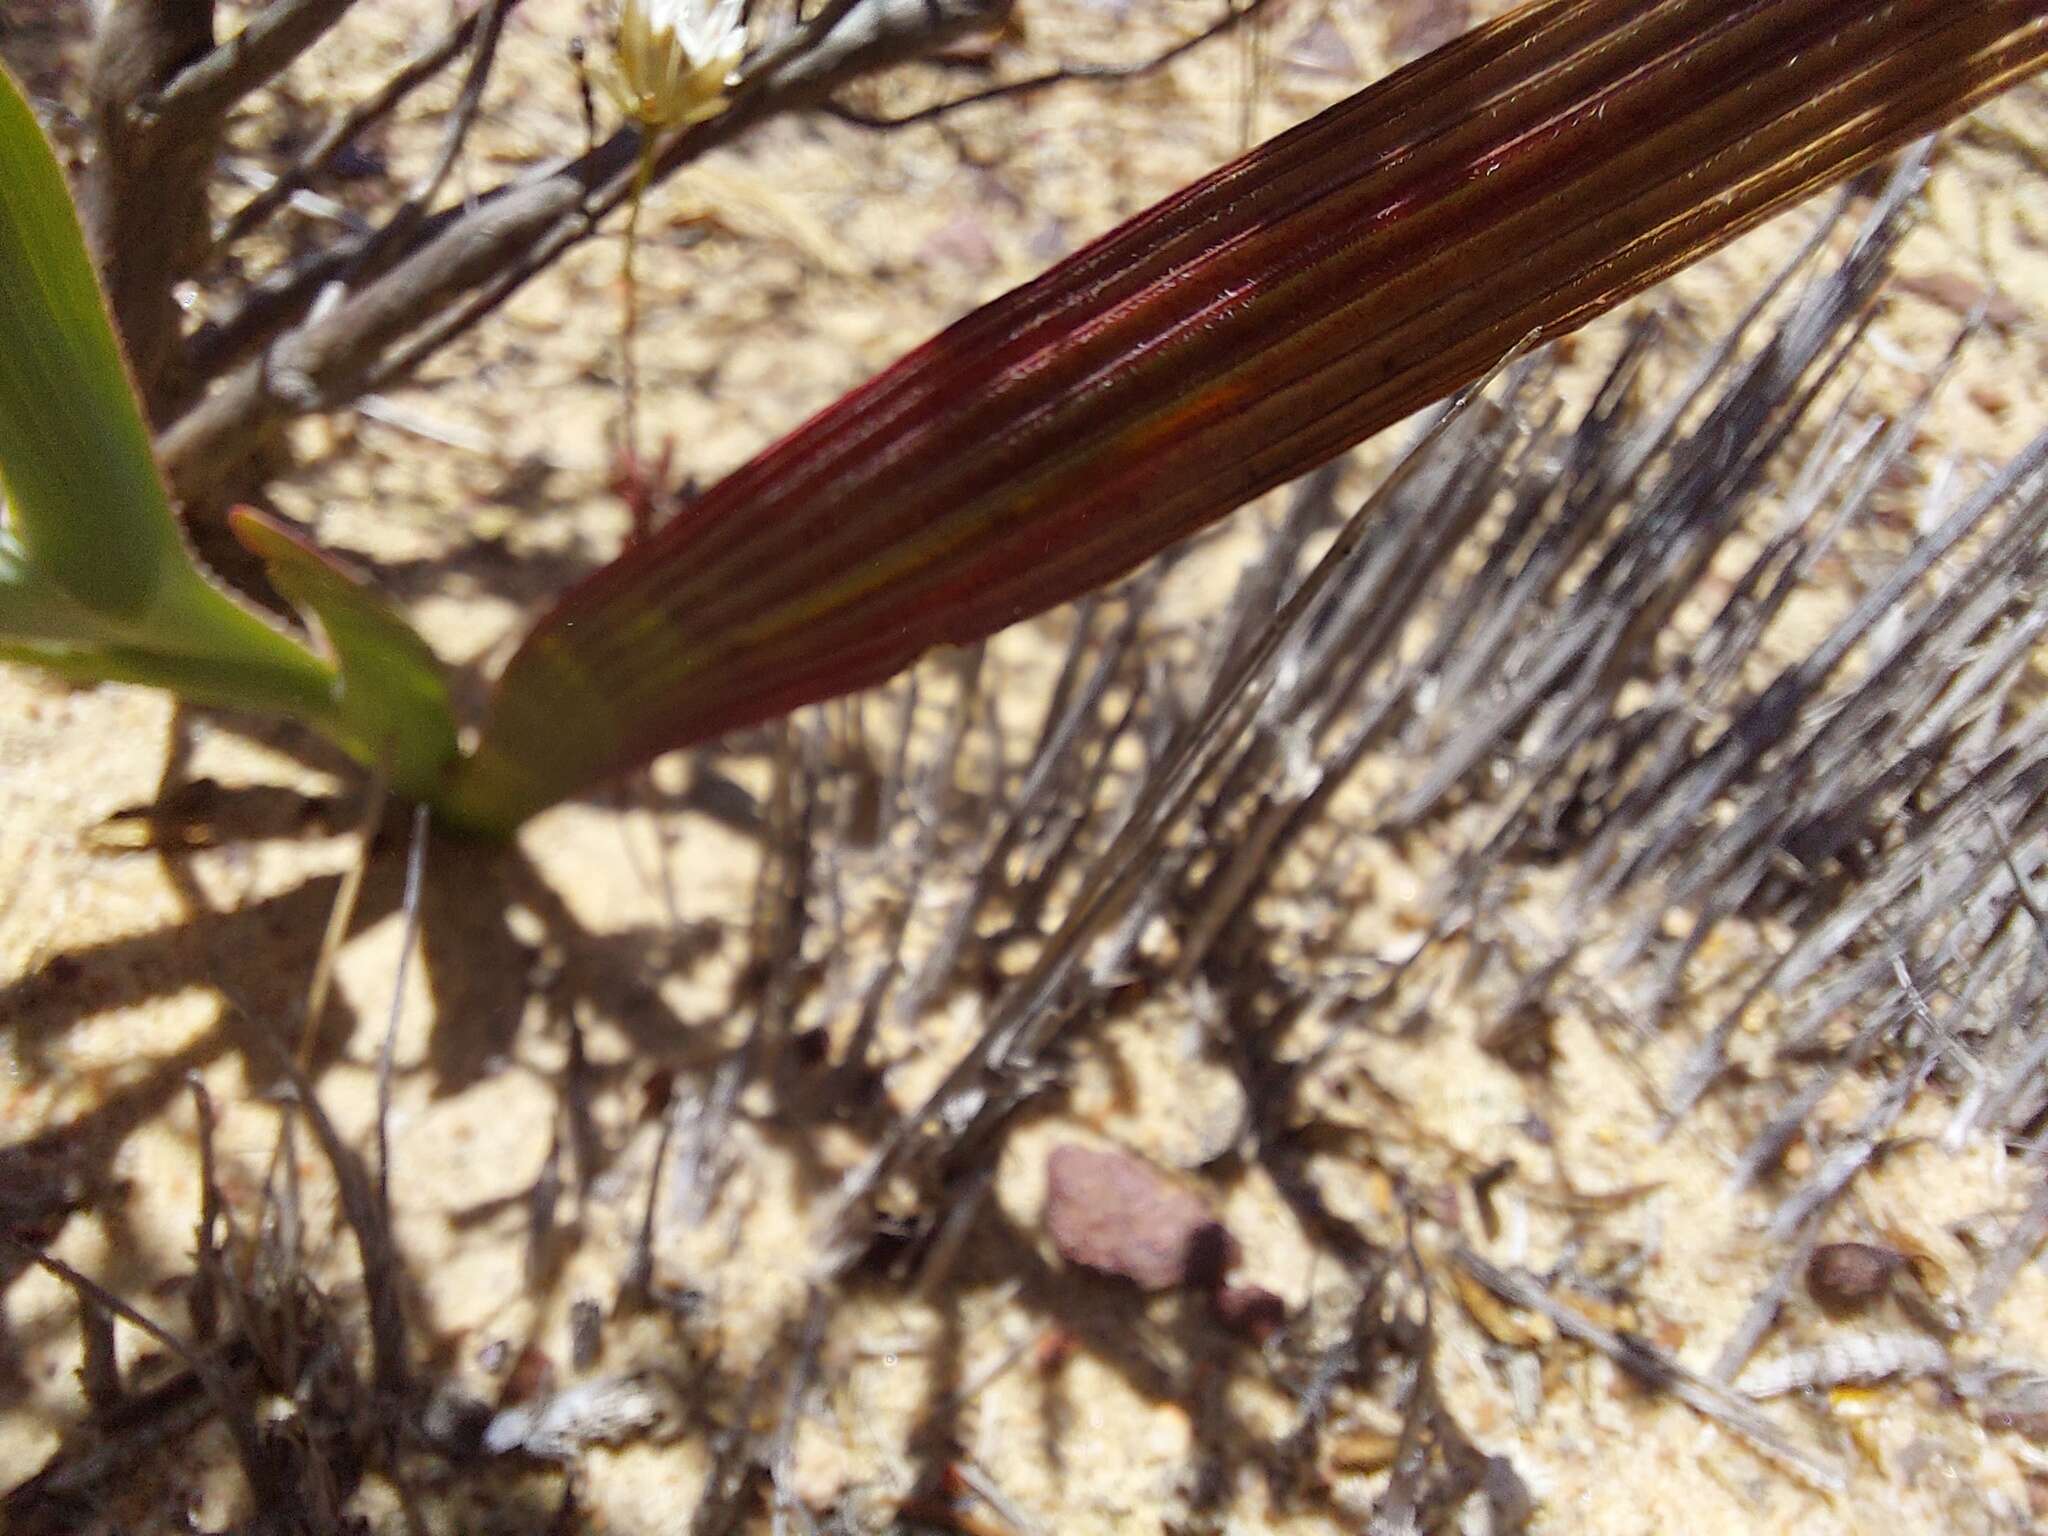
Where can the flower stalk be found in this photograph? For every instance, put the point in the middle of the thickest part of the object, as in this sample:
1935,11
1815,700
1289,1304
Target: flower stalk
674,60
629,324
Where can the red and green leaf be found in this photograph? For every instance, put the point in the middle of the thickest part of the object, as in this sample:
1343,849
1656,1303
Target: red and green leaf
1514,184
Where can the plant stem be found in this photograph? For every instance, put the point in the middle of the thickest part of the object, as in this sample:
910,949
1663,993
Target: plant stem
629,331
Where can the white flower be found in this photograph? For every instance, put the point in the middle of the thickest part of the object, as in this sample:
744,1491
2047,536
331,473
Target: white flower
676,58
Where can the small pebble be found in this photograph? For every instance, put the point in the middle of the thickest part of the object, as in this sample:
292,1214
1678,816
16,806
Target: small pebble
1848,1277
1116,1213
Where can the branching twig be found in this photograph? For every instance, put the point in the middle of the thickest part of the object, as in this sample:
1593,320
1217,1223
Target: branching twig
1655,1368
415,871
455,133
234,1409
1066,74
276,35
323,151
435,281
382,1269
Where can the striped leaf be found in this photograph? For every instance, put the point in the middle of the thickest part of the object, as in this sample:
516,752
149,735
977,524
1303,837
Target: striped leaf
1512,185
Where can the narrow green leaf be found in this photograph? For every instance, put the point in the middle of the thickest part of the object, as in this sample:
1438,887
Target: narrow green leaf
392,699
91,556
71,435
222,682
95,581
1514,184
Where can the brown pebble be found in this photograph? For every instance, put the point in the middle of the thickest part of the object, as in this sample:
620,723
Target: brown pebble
1251,1310
1847,1277
1116,1213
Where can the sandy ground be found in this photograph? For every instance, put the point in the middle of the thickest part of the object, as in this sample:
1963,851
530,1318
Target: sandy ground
778,274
